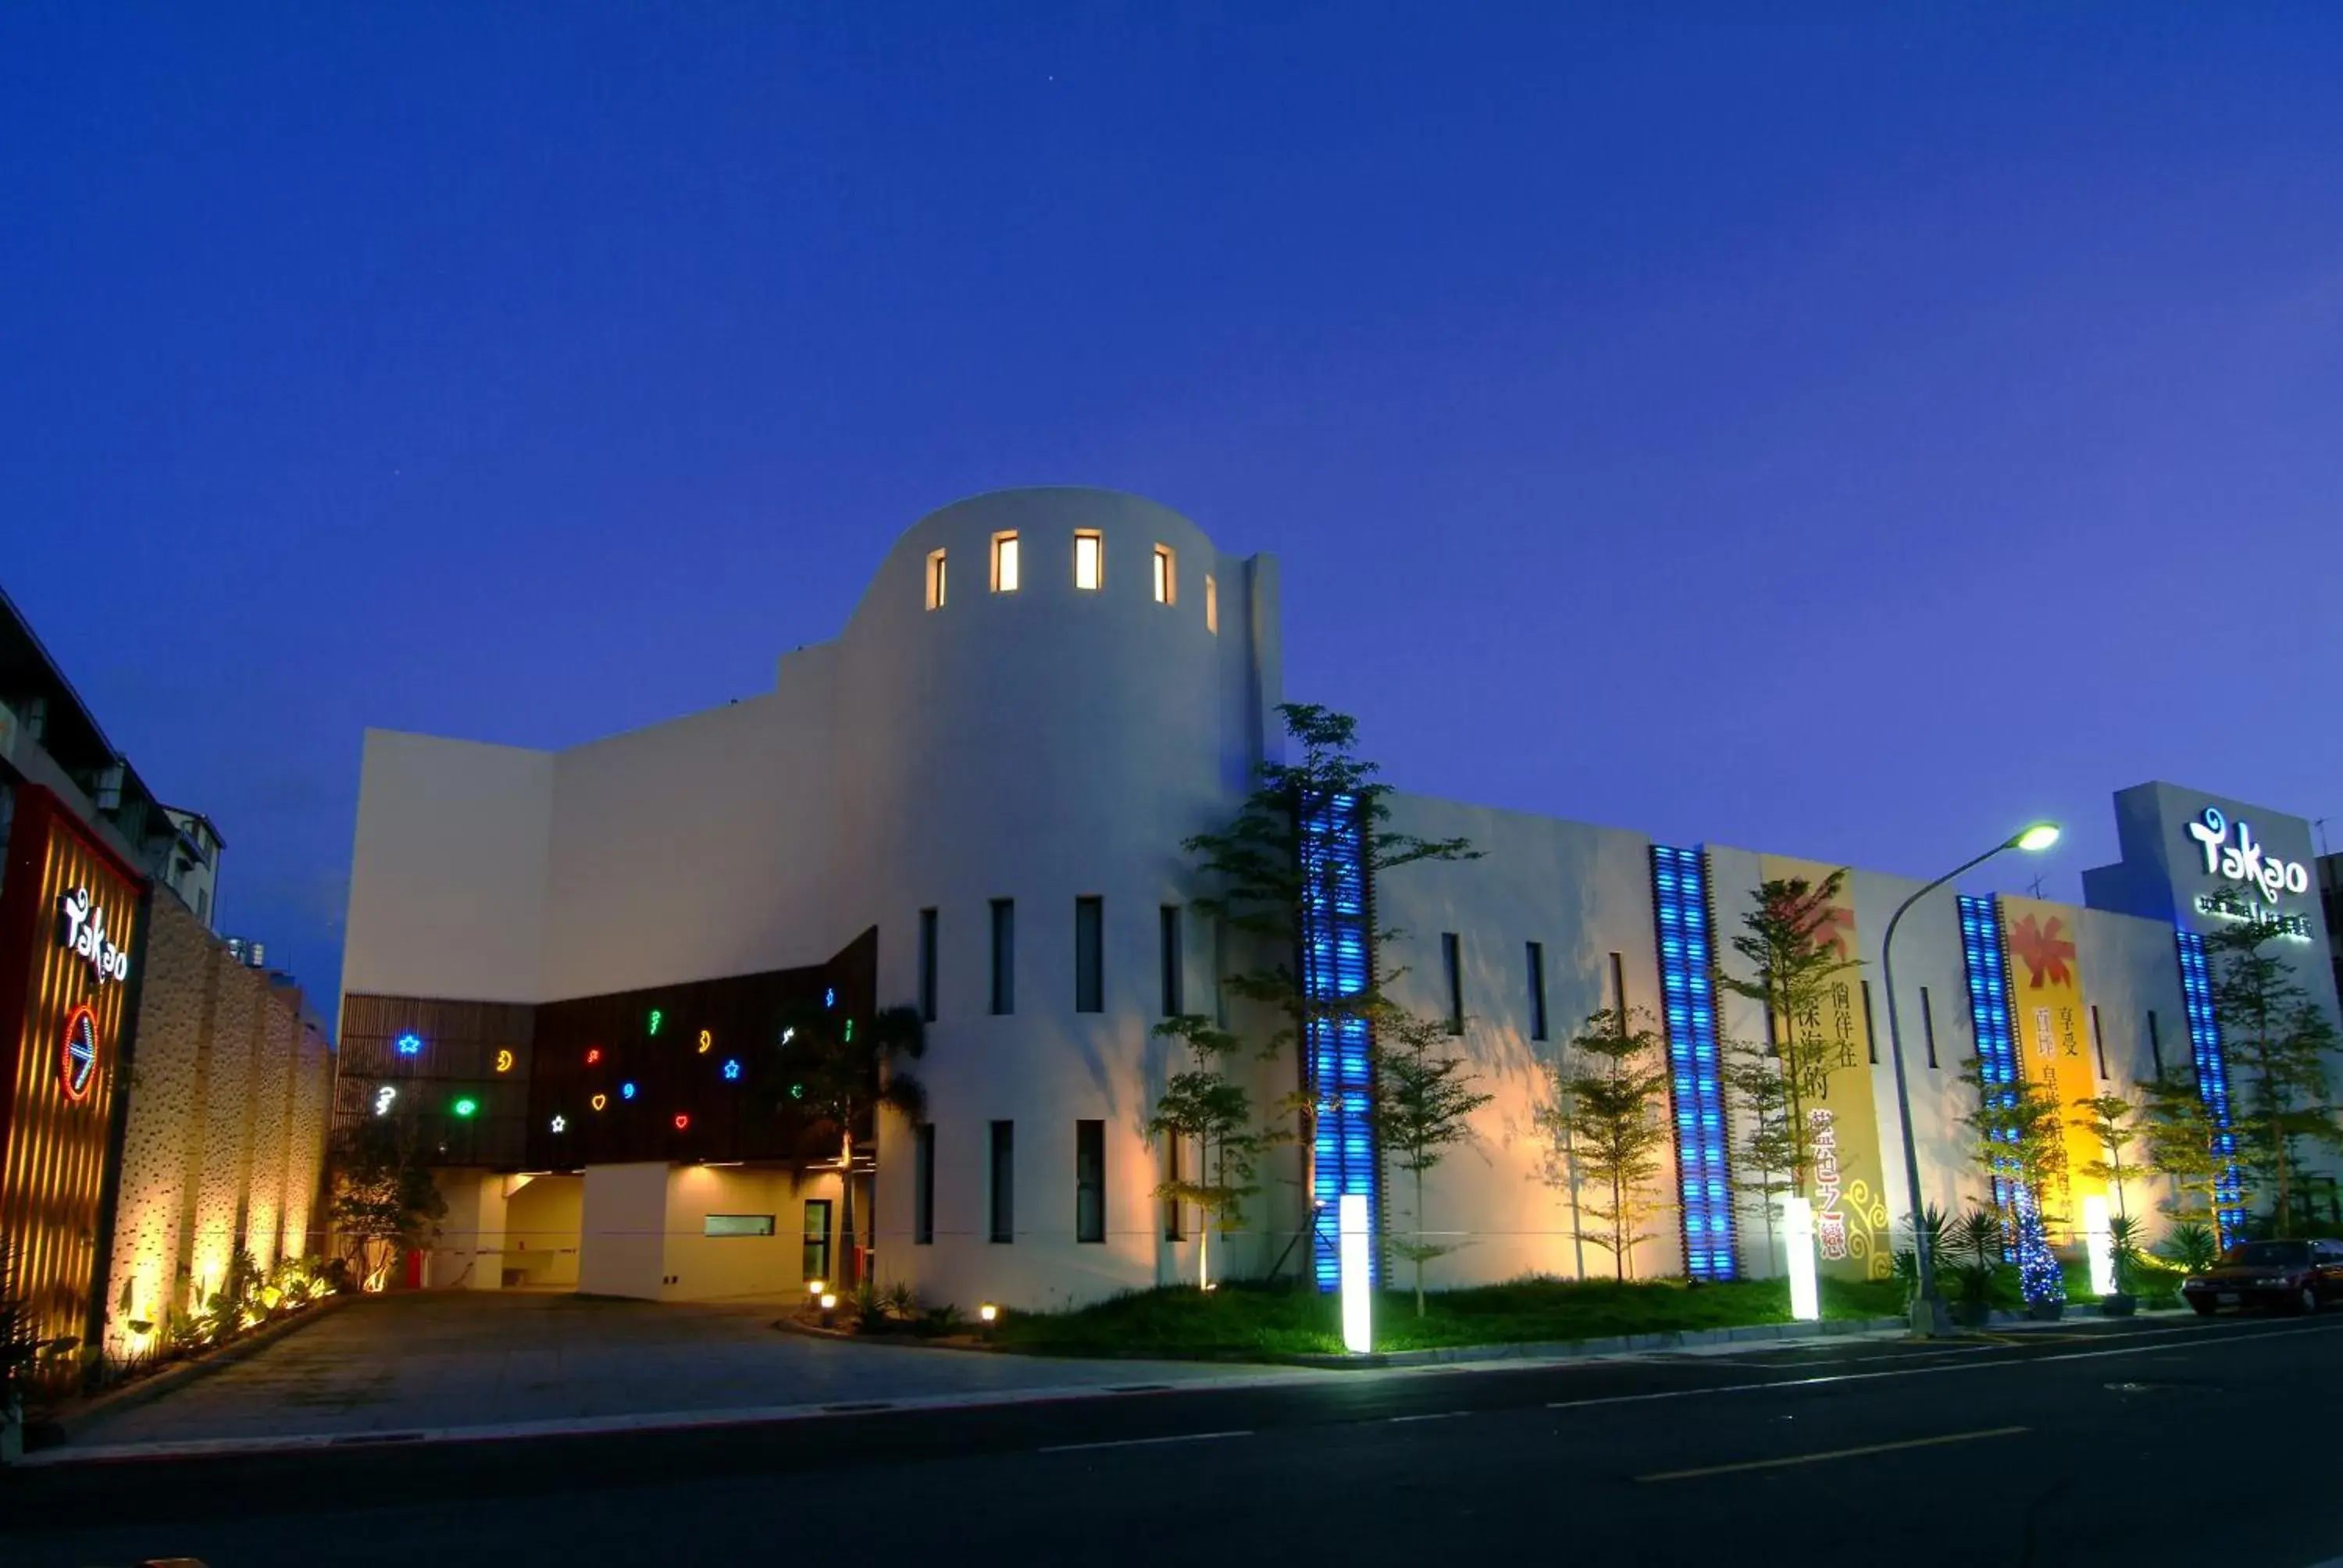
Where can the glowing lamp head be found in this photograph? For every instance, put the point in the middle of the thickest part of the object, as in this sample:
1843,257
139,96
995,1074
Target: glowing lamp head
2037,837
988,1313
816,1287
828,1301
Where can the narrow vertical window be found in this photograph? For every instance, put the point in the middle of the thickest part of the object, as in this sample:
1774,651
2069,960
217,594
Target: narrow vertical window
1212,605
1928,1025
935,580
815,1262
1090,959
1537,991
1175,1220
1004,955
1089,1180
1168,956
1167,576
1870,1037
1004,563
1004,1182
2155,1043
928,965
1219,973
1090,560
1452,968
923,1186
1619,987
2098,1043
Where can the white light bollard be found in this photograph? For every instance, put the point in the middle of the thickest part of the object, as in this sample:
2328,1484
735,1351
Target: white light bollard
2100,1240
1357,1302
1799,1236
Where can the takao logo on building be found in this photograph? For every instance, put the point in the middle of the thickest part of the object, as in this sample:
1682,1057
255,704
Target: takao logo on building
2243,860
83,932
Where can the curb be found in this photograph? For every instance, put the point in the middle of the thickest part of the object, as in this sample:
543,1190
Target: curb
1585,1350
117,1402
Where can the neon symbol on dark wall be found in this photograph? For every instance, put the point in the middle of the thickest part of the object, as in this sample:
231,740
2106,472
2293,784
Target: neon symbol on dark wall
77,1057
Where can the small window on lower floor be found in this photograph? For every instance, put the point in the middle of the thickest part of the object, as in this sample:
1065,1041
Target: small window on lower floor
1089,1180
1004,563
1167,576
1090,562
936,579
1212,605
736,1225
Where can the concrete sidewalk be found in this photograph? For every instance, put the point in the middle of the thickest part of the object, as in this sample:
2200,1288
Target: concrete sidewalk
438,1360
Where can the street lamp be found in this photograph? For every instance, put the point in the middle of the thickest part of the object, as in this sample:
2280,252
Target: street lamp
1929,1319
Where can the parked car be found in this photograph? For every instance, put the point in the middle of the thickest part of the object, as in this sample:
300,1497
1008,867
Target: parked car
2277,1276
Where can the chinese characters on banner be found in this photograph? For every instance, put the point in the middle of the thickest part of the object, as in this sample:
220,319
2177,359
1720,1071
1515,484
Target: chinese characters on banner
2052,1024
1846,1183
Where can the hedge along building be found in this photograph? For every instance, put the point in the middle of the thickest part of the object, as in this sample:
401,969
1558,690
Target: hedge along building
161,1107
973,803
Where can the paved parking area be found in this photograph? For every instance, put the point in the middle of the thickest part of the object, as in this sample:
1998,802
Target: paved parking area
437,1360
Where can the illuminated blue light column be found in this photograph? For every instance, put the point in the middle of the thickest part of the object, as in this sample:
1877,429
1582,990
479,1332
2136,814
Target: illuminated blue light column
2212,1063
2021,1206
1338,962
1688,1000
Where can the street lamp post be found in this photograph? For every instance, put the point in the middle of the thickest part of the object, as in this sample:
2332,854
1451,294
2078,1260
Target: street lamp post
1929,1319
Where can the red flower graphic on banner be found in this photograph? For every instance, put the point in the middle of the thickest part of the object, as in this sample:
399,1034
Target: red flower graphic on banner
1833,926
2043,951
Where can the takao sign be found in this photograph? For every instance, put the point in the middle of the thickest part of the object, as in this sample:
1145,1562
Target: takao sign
2240,858
81,928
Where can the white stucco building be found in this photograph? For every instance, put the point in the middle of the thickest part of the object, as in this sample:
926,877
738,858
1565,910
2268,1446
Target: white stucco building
972,801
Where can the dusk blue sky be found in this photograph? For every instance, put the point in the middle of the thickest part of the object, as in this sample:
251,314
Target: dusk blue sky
1848,437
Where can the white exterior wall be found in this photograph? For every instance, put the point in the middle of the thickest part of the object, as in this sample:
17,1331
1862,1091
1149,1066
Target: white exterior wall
1584,894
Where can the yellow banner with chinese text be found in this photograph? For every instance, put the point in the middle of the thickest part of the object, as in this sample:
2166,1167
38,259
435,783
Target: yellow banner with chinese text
1846,1180
2052,1025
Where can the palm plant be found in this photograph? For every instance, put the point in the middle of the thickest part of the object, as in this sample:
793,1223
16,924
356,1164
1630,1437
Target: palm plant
2189,1246
1932,1229
1973,1250
842,1075
2124,1252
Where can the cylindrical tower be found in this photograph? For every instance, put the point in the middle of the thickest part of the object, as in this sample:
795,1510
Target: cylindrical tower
1043,693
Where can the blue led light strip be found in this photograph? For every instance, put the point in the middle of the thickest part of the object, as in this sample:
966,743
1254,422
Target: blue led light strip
1988,976
1688,1000
1338,962
2212,1078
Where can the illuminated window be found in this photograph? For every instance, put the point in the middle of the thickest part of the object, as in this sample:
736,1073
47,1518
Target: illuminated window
736,1224
816,1255
1212,605
935,580
1166,576
1004,563
1090,559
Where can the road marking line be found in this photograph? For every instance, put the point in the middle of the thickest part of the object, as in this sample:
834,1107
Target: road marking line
2230,1338
1834,1453
1142,1442
1436,1415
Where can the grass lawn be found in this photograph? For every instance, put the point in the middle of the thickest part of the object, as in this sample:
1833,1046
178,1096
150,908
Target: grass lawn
1240,1319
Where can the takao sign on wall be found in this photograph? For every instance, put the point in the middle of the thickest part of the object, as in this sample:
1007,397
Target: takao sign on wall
81,928
2237,857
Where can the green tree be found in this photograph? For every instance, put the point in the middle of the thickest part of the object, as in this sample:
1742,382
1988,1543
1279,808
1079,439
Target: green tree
2181,1141
1608,1113
842,1075
2277,1041
1259,882
2109,1118
1425,1106
2020,1142
1204,1107
1789,939
385,1203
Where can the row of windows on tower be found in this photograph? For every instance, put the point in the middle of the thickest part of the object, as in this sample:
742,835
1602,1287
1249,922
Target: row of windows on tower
1452,971
1089,572
1000,1182
1090,959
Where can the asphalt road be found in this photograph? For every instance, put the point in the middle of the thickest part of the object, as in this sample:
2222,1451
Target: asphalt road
2118,1443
